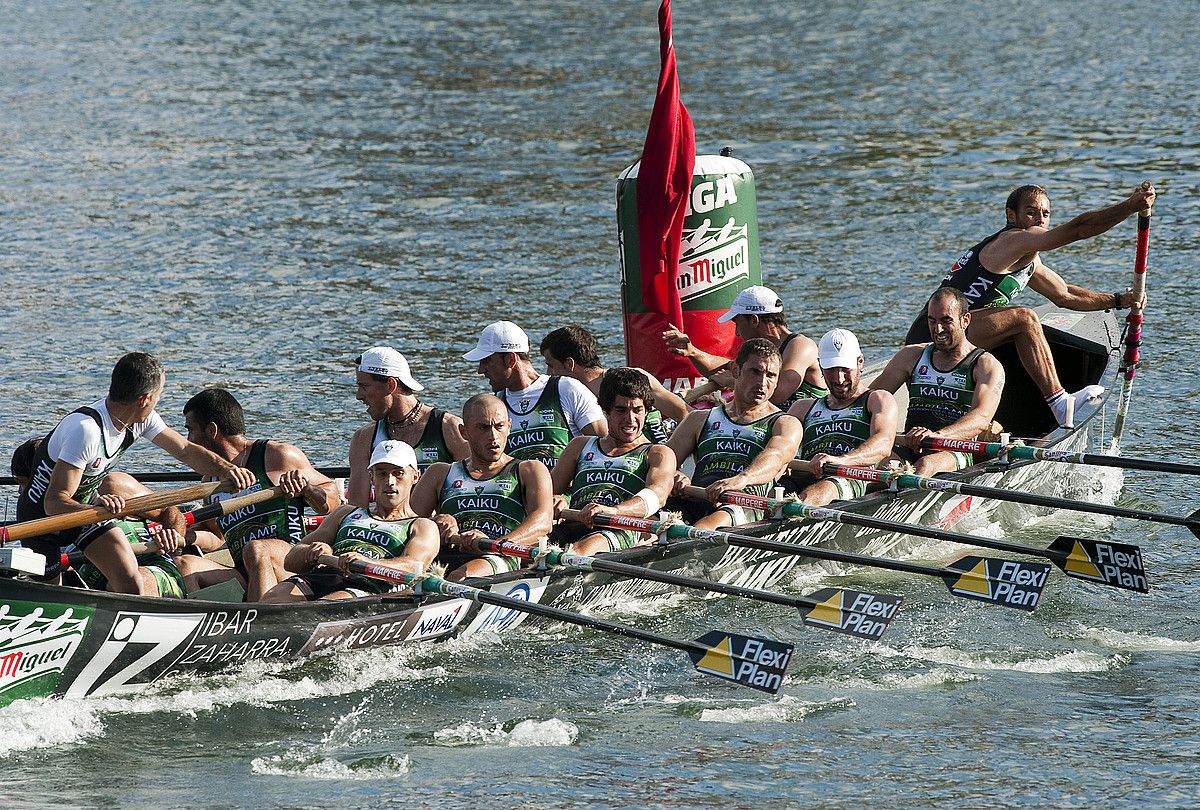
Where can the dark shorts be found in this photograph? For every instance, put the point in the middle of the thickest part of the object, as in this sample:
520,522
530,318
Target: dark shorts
961,460
569,532
692,509
796,482
500,563
324,581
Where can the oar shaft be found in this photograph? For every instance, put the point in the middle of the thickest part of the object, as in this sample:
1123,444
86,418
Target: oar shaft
1023,452
557,557
434,584
133,506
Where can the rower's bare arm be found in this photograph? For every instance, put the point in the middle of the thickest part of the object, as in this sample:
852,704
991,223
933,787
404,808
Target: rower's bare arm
422,546
358,488
800,356
1072,296
426,494
767,465
884,418
64,481
303,557
898,370
452,436
597,428
710,365
564,469
318,490
989,384
539,504
669,404
660,478
203,461
1012,246
683,440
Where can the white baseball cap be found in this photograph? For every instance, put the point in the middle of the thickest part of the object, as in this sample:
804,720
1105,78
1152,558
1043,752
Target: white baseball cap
753,301
838,349
387,362
393,452
501,336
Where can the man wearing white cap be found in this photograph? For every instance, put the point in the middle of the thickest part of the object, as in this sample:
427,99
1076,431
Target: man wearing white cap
387,387
850,425
757,312
953,386
546,412
388,532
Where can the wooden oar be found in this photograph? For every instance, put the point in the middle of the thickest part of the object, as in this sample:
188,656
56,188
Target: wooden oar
759,663
1133,324
909,481
216,509
1010,583
855,613
1021,452
95,514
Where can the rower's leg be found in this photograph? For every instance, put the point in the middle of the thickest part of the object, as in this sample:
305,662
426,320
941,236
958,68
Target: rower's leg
935,463
991,327
264,565
286,591
719,519
199,572
474,568
821,493
112,554
149,583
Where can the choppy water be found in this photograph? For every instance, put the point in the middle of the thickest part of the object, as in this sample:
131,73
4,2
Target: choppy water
256,192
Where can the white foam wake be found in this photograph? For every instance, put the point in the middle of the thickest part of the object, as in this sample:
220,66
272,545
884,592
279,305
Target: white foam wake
1071,661
526,733
331,758
786,709
47,723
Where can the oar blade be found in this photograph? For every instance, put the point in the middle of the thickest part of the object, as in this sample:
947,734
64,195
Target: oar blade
1118,565
1193,523
759,663
1008,583
855,613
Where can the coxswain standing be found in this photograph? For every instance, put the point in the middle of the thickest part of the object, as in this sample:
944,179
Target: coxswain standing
743,445
622,473
258,537
851,425
546,412
73,461
991,273
571,351
488,496
757,312
954,387
389,390
388,532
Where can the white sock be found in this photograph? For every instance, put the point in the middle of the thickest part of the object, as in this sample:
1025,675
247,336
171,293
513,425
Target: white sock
1058,402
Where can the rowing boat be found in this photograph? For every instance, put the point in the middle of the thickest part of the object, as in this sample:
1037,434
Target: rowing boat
72,642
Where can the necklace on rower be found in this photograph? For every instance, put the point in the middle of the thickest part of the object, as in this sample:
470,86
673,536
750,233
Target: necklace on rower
407,419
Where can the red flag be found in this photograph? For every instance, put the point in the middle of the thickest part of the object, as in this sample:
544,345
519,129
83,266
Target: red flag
664,182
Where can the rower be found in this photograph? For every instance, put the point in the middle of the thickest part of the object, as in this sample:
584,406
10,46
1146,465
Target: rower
992,273
572,352
743,445
851,425
387,387
757,312
388,533
546,412
70,465
489,495
622,473
258,537
954,387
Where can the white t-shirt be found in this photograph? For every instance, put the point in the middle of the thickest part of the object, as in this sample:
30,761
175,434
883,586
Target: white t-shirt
79,441
579,404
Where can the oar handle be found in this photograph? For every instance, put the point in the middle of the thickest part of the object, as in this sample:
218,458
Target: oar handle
732,497
95,514
77,557
636,524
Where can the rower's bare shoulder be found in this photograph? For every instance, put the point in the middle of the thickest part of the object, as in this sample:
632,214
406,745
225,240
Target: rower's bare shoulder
800,350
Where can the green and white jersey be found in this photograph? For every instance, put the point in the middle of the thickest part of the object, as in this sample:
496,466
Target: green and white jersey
805,390
280,518
546,415
836,431
608,480
939,398
494,506
726,447
362,533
